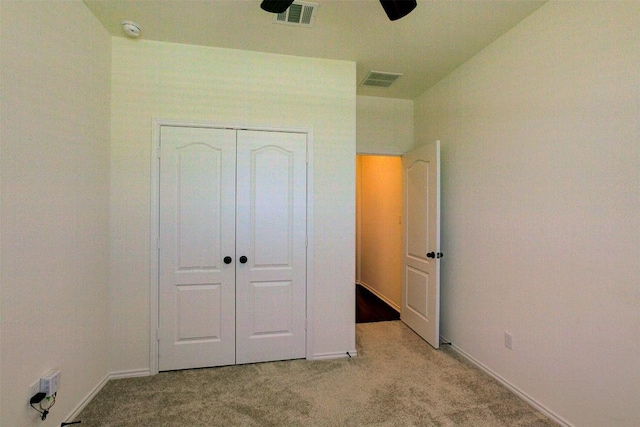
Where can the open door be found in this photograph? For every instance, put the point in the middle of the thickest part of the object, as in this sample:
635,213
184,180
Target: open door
420,308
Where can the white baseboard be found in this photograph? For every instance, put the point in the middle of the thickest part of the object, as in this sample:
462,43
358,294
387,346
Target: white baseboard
382,297
340,355
524,396
88,398
129,374
111,376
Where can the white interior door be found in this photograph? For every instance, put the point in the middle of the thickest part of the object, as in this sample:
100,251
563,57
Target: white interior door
420,308
197,231
271,234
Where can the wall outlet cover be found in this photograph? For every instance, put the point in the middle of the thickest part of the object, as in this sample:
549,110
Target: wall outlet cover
508,340
33,390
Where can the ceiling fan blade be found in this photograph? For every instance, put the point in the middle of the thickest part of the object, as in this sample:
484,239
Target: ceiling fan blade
397,9
275,6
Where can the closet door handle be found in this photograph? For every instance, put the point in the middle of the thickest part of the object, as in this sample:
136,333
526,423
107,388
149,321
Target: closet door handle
431,255
243,259
227,260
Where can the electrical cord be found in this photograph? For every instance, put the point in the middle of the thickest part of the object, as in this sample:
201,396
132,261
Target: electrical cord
43,411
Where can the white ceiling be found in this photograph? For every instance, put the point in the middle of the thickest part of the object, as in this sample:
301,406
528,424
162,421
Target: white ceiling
425,46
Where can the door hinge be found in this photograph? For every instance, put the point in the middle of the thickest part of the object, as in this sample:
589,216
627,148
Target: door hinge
158,335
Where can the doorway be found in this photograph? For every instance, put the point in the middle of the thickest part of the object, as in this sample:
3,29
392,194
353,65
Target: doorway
379,235
418,196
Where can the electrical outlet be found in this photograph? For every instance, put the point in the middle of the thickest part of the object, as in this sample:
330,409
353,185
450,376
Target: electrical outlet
508,340
34,389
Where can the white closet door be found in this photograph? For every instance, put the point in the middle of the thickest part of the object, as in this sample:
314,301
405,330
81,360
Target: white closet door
271,234
197,231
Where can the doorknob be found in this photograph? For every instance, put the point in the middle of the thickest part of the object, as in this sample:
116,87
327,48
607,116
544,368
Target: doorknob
243,259
431,255
227,260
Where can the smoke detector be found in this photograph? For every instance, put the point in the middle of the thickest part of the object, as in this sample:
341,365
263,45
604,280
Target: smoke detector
130,28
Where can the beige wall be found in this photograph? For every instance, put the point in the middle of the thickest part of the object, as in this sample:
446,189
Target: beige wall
179,82
541,208
379,226
384,125
55,201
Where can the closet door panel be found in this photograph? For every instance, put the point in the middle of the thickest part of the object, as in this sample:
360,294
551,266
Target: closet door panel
197,230
271,207
271,234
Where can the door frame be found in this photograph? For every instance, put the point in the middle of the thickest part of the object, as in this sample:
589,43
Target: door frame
358,233
154,235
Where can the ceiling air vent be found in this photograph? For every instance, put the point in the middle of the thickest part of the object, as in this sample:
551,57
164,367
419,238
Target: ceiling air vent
380,79
300,13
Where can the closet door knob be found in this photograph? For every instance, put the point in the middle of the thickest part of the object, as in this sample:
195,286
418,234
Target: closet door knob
431,255
227,260
243,259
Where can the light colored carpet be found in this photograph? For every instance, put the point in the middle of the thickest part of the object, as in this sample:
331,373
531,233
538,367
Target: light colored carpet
397,379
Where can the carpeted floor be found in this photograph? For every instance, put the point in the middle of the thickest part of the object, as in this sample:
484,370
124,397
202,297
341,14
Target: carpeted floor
396,380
